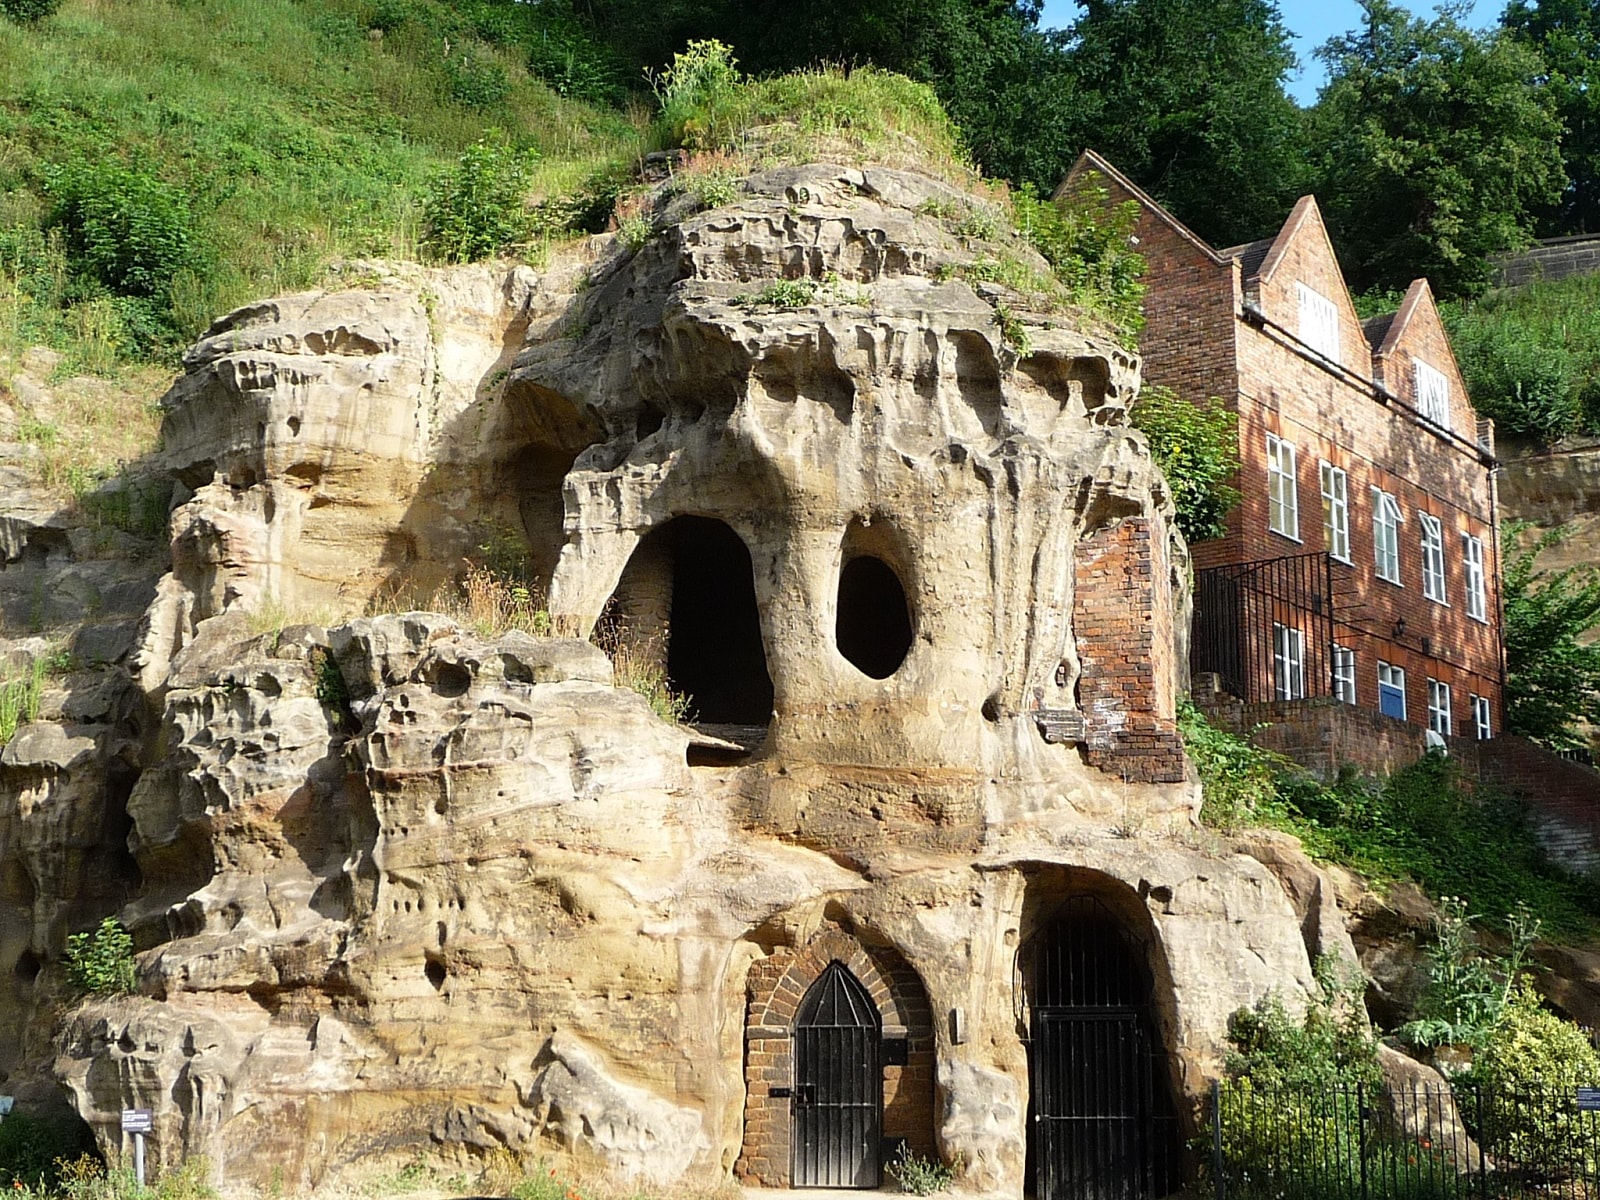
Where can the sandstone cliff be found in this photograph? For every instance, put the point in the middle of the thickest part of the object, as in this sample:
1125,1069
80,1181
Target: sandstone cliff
400,883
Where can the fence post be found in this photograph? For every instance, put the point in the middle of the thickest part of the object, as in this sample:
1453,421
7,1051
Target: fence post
1483,1134
1216,1138
1361,1136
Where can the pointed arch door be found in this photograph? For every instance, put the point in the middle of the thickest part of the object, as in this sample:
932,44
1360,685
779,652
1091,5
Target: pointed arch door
838,1085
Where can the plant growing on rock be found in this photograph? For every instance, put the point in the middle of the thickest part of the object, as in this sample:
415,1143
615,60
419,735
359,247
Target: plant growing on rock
1197,447
101,963
19,700
1468,989
1091,249
476,209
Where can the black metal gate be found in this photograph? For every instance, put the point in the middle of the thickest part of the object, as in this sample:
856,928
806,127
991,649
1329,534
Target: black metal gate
838,1085
1103,1121
1239,610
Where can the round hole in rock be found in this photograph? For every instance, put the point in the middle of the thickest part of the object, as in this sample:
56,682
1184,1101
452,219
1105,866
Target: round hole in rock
28,967
435,973
873,625
451,680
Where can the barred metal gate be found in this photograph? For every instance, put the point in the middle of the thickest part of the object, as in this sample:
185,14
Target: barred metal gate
1250,617
1103,1122
838,1092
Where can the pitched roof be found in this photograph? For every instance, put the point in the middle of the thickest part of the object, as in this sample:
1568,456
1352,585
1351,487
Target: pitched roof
1377,330
1397,321
1090,161
1251,255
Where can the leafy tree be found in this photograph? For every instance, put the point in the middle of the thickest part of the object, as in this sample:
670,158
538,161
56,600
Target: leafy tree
1552,678
1187,98
1433,148
28,10
1197,446
1566,34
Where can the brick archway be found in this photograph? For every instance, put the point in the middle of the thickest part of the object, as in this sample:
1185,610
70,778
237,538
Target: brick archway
774,990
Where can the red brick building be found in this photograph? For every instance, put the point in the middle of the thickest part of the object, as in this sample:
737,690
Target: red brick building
1363,561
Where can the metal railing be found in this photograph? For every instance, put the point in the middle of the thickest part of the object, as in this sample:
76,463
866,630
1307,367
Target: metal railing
1236,608
1345,1142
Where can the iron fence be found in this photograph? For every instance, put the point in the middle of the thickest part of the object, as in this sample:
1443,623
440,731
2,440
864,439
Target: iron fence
1469,1142
1266,628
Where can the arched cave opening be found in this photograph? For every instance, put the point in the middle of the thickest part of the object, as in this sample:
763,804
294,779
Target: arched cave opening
28,967
872,626
688,598
1102,1118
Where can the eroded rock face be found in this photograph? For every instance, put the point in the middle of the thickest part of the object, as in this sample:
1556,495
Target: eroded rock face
492,905
404,885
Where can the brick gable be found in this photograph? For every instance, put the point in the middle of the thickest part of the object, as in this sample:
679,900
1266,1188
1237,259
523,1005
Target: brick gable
1226,323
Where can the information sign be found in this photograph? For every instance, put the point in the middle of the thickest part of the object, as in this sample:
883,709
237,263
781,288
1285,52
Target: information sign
136,1120
1589,1099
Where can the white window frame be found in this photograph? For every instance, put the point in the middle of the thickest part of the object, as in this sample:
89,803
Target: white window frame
1343,670
1336,510
1433,393
1394,677
1288,662
1481,727
1433,580
1283,489
1472,567
1386,522
1439,716
1319,322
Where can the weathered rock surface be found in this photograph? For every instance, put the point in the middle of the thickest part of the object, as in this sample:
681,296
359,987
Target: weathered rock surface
398,884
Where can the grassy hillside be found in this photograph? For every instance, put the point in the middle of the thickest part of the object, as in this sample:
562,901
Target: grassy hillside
242,144
1531,356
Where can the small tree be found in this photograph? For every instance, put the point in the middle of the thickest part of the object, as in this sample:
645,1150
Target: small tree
1197,447
478,209
101,963
1552,678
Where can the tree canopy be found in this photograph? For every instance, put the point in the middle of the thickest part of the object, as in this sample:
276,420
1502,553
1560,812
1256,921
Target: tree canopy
1552,677
1566,35
1187,98
1432,145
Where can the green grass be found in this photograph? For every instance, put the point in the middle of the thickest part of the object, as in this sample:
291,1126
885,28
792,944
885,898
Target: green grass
19,700
822,114
1531,356
1423,824
294,132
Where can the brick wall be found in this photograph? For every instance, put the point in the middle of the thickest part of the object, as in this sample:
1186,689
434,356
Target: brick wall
1563,797
1189,318
776,986
1551,259
1123,619
1324,735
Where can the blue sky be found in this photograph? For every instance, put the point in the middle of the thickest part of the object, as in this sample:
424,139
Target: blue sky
1311,21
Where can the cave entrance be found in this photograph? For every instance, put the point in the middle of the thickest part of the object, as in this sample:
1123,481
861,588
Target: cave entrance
838,1085
1103,1123
687,601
